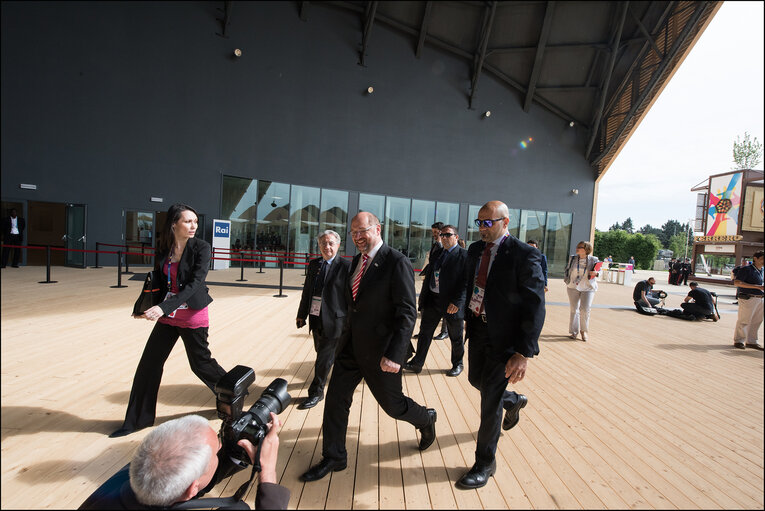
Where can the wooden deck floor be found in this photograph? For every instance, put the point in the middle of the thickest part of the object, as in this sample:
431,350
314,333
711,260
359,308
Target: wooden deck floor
652,412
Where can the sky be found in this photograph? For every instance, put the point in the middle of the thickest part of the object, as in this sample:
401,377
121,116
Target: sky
715,96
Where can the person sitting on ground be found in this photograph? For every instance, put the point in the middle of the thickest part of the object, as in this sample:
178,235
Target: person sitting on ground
699,303
643,294
181,460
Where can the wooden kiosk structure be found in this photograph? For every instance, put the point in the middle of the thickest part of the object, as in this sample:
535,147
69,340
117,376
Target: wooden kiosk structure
729,213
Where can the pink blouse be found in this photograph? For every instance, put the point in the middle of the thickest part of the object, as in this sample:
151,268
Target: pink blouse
182,317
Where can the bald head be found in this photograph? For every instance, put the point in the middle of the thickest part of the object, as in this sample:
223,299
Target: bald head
496,209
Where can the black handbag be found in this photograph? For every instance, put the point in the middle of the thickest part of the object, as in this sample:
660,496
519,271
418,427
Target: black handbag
150,293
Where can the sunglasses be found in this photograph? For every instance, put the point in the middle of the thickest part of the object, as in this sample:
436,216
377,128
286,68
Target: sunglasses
487,223
446,234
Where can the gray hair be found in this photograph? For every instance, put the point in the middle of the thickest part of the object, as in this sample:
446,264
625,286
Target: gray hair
169,460
329,232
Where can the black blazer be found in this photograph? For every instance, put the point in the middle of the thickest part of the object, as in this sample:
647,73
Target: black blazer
381,320
514,300
451,282
21,224
192,272
333,298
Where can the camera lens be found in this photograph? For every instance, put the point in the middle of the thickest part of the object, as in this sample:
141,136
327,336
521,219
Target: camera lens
274,399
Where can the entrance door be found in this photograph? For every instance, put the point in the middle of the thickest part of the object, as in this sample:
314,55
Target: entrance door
76,215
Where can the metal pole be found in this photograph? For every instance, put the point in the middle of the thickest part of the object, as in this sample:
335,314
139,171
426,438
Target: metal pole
97,244
241,269
119,269
281,279
47,267
306,265
261,261
127,268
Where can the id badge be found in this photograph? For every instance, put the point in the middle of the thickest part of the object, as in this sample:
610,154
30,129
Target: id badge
435,280
315,305
184,305
477,299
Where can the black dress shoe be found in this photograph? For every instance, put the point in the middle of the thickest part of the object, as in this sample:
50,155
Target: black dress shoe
739,345
310,402
428,433
415,336
455,371
324,467
442,336
121,432
477,476
513,415
412,368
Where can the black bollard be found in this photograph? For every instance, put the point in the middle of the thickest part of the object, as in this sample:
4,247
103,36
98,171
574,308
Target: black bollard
47,267
241,269
127,268
306,266
119,270
261,262
97,244
281,280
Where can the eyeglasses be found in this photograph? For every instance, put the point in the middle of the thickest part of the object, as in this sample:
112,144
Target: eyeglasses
356,234
447,234
487,223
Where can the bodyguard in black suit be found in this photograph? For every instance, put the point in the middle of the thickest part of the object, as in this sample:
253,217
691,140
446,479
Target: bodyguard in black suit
324,304
443,296
504,314
13,234
381,317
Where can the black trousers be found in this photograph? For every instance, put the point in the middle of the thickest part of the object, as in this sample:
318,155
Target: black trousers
12,239
142,407
487,374
325,357
695,309
684,278
431,315
386,389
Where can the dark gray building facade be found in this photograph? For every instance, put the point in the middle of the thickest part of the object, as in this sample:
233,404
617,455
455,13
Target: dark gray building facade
109,107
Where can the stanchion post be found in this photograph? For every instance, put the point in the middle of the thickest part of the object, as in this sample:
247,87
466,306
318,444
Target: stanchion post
261,261
119,269
47,267
212,259
281,279
127,267
241,269
306,265
97,244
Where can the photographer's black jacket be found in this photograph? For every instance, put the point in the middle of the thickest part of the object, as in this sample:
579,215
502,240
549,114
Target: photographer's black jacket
116,493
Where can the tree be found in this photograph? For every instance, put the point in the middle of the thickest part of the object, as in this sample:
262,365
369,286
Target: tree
677,245
611,243
643,249
669,229
627,226
648,229
747,153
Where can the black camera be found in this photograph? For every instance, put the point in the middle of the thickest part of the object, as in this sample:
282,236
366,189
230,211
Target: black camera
230,392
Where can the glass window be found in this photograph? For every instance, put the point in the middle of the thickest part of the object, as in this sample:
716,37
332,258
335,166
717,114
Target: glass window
532,226
239,204
273,217
374,204
334,214
513,227
420,235
557,242
396,225
448,213
304,220
139,226
714,264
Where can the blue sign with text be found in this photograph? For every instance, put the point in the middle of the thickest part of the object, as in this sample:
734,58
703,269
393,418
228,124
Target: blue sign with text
221,230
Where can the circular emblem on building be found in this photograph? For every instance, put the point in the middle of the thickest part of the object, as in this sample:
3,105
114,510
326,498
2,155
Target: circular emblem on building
723,206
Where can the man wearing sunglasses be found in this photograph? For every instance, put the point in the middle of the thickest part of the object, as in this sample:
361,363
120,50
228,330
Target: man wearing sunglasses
443,296
504,314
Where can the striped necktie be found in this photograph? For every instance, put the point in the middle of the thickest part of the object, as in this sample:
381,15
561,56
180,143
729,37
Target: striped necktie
357,280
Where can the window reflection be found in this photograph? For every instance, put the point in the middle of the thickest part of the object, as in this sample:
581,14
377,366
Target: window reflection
420,235
532,226
374,204
557,242
334,214
304,219
273,217
448,213
396,226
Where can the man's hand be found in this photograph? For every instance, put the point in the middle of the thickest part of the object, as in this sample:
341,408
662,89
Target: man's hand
451,309
269,451
389,366
515,369
300,322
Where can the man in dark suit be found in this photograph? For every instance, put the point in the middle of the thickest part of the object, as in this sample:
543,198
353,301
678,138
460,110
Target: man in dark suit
323,303
381,316
435,249
443,296
13,234
504,314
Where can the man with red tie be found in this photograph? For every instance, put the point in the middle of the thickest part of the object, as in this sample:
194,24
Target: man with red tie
379,323
504,314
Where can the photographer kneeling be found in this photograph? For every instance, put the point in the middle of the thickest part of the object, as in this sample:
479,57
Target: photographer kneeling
177,462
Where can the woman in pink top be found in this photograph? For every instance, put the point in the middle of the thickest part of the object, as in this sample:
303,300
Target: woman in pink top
184,261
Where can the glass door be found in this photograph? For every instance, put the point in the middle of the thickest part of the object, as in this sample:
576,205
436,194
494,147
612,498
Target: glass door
75,234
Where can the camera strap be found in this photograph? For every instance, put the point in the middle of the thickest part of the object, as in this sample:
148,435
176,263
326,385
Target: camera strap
218,502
